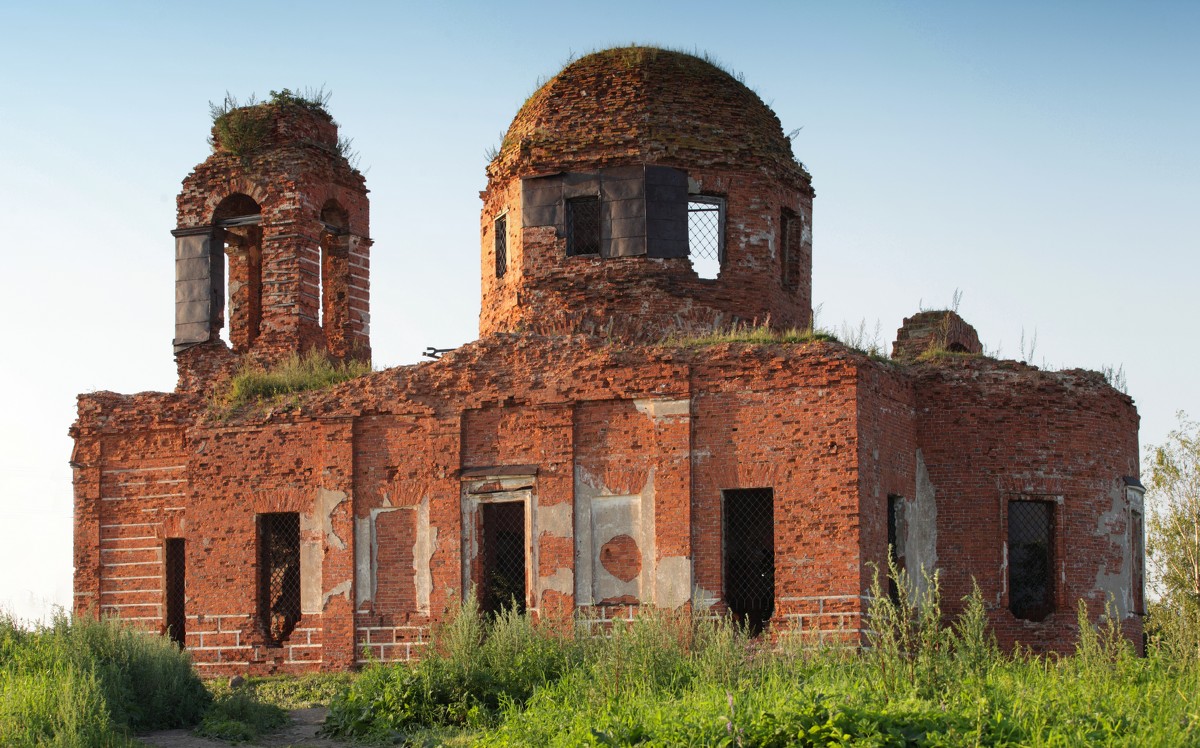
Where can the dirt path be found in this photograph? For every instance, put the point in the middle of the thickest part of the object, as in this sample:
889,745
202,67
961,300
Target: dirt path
300,733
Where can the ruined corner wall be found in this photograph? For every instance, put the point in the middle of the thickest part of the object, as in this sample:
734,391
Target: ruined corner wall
130,492
993,432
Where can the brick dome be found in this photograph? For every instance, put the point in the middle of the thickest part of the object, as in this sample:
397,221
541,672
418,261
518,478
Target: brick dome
644,105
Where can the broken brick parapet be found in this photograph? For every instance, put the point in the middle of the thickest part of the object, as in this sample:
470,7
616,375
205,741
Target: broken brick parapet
934,332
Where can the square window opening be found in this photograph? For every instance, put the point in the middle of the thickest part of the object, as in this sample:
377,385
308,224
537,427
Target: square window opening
279,574
583,226
1031,559
749,555
706,234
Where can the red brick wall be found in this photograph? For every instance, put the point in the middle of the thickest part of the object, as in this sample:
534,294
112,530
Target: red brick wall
996,431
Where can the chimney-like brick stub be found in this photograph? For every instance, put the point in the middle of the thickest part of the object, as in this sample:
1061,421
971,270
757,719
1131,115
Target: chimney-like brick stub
934,331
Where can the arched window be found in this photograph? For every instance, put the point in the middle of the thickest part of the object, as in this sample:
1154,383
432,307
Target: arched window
237,231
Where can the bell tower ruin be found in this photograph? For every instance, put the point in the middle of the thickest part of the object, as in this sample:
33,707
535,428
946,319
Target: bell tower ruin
272,245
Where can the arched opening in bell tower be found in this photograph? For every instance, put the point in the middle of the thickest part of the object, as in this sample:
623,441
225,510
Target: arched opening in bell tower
332,272
237,231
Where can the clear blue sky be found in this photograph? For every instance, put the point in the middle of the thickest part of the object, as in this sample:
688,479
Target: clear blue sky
1043,158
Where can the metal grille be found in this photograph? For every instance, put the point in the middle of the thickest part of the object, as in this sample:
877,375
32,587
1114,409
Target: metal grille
175,618
749,521
705,235
501,229
503,556
583,226
895,553
790,254
1031,559
279,568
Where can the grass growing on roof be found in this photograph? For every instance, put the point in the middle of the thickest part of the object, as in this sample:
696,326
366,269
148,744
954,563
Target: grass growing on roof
313,371
756,334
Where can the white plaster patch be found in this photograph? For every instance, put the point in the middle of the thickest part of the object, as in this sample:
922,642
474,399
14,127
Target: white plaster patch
423,550
562,581
659,408
327,501
342,589
673,581
920,519
556,519
364,576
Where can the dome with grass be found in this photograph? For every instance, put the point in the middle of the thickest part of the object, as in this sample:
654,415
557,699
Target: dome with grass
644,105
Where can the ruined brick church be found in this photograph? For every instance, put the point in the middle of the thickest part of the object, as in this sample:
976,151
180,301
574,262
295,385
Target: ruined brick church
591,453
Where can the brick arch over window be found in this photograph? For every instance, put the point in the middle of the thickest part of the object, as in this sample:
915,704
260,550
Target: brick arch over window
238,232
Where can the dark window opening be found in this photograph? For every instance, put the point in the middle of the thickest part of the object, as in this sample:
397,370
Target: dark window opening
175,618
279,574
583,226
501,231
503,555
749,523
789,254
706,234
1137,540
1031,559
895,539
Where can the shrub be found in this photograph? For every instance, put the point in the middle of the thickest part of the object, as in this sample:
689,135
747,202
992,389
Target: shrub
87,682
240,716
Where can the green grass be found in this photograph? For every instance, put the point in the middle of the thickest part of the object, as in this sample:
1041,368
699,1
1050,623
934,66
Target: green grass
671,679
297,374
240,716
81,682
755,334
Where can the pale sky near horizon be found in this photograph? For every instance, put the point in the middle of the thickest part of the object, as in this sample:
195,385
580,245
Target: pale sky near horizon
1043,158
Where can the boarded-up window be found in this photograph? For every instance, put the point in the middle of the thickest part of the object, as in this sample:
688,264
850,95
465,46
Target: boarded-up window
1031,559
583,226
279,574
749,549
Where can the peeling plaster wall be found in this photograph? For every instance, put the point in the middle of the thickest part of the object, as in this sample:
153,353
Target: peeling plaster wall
996,432
921,531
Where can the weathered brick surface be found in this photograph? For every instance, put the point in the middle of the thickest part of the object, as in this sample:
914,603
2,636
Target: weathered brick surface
618,450
645,106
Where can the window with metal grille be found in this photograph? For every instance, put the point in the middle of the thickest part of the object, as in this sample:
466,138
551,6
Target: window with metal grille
789,255
749,549
500,228
175,617
706,234
503,553
583,226
1031,559
895,518
279,574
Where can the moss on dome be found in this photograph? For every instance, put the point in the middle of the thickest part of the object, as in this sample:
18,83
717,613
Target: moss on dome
644,105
